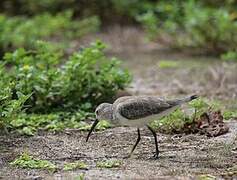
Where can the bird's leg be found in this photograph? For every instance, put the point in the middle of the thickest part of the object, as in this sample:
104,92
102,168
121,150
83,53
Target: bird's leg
156,143
135,145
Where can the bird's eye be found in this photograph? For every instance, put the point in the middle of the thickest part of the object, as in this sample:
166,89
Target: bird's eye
96,111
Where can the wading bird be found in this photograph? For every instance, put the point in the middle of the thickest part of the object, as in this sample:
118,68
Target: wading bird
137,111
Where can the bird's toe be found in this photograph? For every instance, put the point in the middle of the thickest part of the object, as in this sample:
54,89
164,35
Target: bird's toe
156,156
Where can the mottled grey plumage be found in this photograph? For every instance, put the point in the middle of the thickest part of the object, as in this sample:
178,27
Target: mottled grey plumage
137,111
143,106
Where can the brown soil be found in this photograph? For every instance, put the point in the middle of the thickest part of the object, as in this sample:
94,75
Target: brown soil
181,157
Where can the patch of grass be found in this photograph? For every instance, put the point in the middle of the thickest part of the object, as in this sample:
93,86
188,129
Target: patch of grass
74,165
27,161
184,120
102,125
202,104
230,114
167,64
80,177
229,56
206,177
29,124
174,122
108,164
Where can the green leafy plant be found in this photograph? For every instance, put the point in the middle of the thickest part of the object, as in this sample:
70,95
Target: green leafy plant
74,165
179,120
150,22
206,177
102,125
80,177
27,161
20,31
28,124
11,103
174,122
229,56
109,164
103,9
193,24
229,114
86,79
61,95
167,64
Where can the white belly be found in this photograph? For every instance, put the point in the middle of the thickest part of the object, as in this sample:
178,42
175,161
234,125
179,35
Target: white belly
142,121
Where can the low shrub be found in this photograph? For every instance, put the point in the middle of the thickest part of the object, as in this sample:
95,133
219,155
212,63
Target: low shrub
21,31
11,103
193,24
59,92
29,124
188,120
230,114
82,81
229,56
107,11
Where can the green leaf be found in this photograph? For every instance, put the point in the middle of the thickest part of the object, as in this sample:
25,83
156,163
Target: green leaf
27,161
74,165
109,164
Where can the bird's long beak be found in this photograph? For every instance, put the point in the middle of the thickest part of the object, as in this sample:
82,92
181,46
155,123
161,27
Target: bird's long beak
92,128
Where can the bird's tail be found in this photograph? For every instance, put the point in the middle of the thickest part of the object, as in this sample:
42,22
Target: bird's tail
189,98
184,100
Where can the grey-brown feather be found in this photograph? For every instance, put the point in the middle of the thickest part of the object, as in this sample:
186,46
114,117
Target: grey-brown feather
142,106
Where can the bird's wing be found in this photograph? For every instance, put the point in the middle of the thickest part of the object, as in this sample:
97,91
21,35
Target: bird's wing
121,100
141,107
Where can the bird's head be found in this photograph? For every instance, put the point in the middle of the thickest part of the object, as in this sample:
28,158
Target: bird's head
102,112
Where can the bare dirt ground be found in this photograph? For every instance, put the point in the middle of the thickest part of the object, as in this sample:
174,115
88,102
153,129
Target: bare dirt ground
182,156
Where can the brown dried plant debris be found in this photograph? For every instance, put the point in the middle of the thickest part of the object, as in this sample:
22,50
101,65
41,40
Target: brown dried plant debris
211,124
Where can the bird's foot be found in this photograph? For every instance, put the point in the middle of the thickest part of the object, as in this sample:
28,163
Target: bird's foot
156,156
130,155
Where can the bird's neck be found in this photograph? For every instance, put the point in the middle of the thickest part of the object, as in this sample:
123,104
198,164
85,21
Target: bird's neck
109,113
